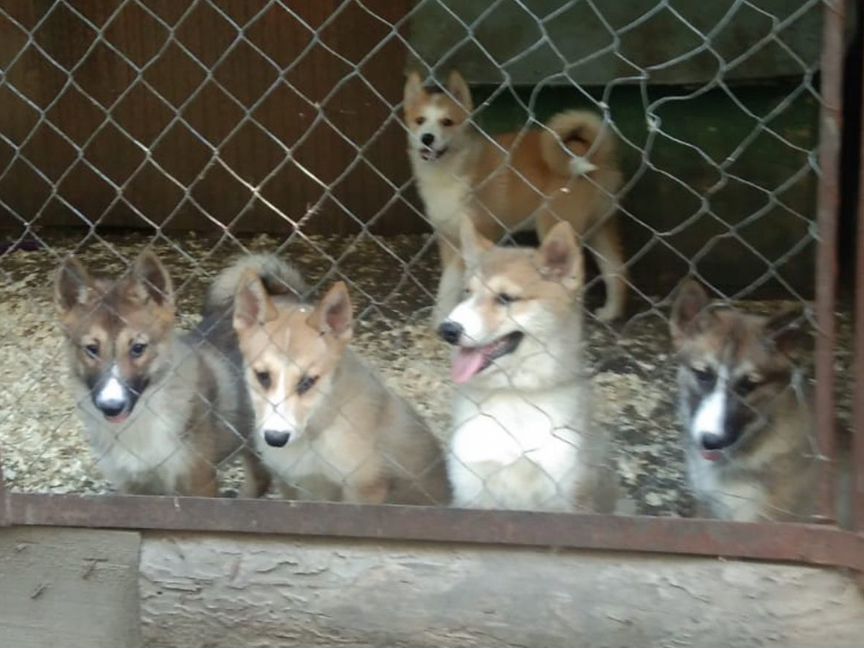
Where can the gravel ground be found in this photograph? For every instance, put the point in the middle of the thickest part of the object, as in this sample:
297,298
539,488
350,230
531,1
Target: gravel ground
391,281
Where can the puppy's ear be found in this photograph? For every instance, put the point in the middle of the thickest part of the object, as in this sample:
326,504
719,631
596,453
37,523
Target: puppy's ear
151,280
459,90
472,243
689,304
72,286
334,314
560,257
789,331
252,303
413,88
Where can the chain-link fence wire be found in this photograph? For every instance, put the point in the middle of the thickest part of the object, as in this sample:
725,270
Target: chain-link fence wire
276,118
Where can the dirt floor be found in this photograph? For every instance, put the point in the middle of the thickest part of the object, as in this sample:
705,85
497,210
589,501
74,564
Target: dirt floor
391,281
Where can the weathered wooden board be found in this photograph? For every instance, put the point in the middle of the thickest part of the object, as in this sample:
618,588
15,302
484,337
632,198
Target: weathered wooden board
228,591
69,588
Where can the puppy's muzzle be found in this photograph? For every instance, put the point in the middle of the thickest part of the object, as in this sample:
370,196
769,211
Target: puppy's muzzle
451,332
112,408
114,398
711,441
276,438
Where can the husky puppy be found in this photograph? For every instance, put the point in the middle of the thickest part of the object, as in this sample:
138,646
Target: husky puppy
161,409
522,434
746,414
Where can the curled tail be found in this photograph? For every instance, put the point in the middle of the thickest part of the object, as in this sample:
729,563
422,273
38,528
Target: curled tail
278,277
577,142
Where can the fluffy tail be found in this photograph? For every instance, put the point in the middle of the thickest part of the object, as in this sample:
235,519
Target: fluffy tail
216,327
278,276
577,142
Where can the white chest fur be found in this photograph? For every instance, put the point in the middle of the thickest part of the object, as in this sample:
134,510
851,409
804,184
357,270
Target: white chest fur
148,448
516,451
508,426
445,191
726,497
317,467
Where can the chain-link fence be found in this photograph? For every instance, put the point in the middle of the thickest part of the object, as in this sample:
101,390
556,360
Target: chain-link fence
402,358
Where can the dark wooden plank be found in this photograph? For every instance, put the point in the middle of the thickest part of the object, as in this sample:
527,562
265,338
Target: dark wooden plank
274,132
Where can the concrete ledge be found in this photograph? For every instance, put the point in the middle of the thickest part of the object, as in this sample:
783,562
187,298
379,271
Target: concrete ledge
257,591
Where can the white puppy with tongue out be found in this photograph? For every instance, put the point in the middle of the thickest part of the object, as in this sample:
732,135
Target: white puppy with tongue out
522,437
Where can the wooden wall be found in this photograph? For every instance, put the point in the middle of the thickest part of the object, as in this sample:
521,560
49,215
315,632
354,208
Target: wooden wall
152,136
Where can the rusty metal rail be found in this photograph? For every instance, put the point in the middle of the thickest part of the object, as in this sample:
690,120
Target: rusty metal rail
812,544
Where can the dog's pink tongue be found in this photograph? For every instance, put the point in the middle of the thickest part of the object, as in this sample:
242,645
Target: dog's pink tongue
466,363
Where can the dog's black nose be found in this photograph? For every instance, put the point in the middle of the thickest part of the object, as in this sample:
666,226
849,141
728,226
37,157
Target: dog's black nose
711,441
276,438
111,408
427,139
450,332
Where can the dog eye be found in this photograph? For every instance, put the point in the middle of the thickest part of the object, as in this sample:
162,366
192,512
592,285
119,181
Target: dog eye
748,383
137,349
703,375
263,378
505,299
306,383
420,121
446,122
92,350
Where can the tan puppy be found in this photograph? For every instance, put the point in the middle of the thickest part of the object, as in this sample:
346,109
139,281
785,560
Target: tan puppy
326,426
564,171
523,437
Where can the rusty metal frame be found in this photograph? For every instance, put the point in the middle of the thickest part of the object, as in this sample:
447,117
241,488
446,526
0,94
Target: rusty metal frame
812,544
830,137
857,447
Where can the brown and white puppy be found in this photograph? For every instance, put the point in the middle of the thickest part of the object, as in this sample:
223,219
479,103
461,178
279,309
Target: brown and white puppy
160,409
326,426
748,428
564,171
523,436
